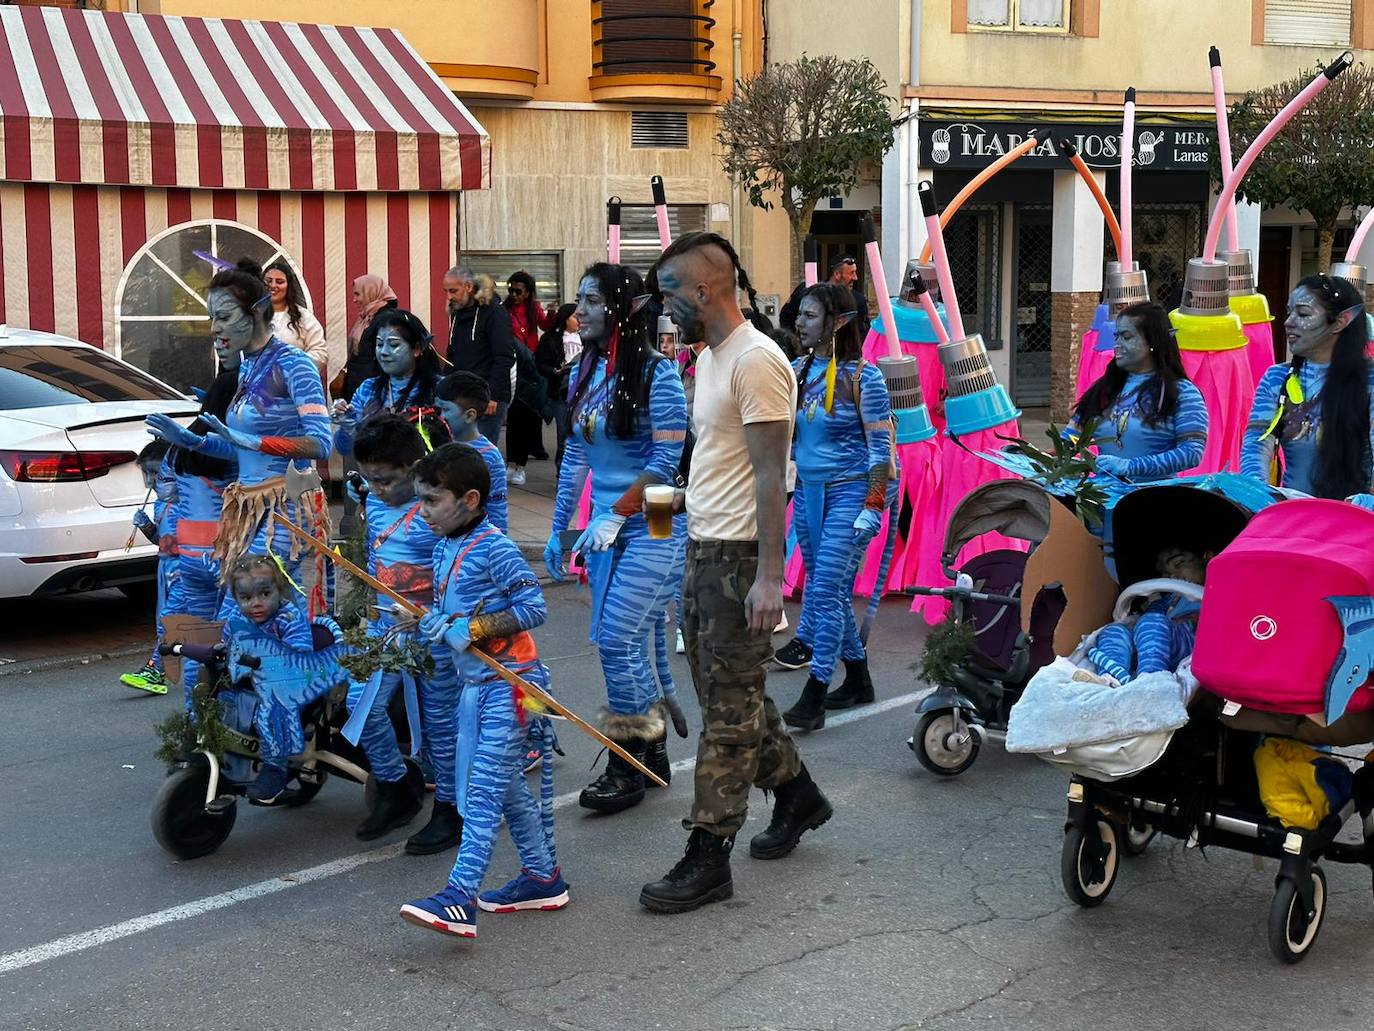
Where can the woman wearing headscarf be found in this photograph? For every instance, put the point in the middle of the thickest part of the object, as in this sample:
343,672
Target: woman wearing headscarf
370,296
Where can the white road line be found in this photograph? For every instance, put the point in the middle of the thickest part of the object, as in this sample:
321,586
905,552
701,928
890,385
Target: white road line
60,947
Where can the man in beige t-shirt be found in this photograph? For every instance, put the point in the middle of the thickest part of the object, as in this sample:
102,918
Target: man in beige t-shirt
746,397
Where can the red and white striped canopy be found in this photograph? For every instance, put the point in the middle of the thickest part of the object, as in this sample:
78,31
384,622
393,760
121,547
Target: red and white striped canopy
99,98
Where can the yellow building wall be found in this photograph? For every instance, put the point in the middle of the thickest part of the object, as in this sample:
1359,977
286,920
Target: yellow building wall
1159,46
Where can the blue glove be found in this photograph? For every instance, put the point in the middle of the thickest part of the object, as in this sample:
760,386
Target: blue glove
432,626
868,524
164,427
142,520
553,559
459,634
1112,465
354,494
242,441
601,533
1363,500
199,393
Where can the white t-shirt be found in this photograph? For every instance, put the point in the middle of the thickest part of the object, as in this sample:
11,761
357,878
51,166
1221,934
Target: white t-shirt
744,379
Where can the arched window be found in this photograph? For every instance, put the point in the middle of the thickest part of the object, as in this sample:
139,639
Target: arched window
161,322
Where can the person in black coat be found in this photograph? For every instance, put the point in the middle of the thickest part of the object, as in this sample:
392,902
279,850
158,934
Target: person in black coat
481,341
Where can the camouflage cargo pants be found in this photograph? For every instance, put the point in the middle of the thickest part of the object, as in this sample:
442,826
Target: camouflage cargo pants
743,741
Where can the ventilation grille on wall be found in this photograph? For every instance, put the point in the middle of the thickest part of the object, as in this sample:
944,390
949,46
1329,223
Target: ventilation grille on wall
658,129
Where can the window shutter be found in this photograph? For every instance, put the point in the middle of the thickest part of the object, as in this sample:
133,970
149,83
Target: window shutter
1307,22
545,266
639,243
989,12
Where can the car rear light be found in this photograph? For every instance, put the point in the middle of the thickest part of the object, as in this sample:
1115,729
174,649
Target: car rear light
60,466
74,557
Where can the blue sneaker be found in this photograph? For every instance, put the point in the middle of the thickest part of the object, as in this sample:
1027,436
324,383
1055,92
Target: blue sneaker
526,892
448,912
269,785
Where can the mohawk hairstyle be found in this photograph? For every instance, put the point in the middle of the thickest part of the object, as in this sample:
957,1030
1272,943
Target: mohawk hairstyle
695,241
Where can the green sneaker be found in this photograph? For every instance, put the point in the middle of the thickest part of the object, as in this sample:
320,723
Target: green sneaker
149,678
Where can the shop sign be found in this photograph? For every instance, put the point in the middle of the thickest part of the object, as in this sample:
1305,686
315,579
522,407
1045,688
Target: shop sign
974,144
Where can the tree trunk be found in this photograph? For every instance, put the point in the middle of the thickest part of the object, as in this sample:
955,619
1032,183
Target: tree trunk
1326,235
799,219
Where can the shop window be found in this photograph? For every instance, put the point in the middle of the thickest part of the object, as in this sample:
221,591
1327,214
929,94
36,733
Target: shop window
545,266
973,240
162,324
1018,15
1315,23
1163,238
639,242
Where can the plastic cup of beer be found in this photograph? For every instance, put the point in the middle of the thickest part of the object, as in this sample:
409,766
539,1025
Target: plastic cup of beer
658,510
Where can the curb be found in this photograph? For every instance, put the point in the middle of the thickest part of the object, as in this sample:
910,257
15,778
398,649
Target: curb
16,667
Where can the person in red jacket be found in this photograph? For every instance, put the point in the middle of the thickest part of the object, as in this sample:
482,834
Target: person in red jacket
524,424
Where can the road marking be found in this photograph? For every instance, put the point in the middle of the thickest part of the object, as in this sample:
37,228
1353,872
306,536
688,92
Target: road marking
84,940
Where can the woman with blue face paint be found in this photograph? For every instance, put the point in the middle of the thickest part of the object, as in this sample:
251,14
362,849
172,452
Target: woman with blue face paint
844,455
409,373
1317,409
1151,421
628,417
277,417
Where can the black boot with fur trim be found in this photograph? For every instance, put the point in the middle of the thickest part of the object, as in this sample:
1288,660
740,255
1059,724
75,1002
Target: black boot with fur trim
656,753
622,786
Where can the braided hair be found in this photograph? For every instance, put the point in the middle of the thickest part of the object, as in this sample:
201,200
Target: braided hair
693,241
631,355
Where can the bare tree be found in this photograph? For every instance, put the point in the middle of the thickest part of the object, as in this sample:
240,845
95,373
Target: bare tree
1321,161
802,130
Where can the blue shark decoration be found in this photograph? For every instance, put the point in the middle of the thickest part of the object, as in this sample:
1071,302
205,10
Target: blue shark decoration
1350,671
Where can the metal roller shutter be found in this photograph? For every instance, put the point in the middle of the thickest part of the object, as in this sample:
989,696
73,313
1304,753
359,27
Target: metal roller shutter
545,266
1307,22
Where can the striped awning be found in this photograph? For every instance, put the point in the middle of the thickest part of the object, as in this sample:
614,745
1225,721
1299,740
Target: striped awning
101,98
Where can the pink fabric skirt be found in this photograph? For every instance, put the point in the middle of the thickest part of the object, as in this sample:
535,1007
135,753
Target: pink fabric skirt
918,493
1227,383
1260,349
960,472
1092,363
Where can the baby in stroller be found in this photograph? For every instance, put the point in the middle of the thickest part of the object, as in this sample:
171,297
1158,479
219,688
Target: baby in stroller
1157,639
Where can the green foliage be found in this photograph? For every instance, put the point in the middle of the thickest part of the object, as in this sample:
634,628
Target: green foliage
393,652
182,733
947,647
802,130
352,596
1068,464
1321,162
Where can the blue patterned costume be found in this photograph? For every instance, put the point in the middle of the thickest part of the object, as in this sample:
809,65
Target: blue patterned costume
1161,638
1146,452
196,590
402,397
400,553
1296,433
633,581
292,674
478,574
165,525
834,452
498,502
279,409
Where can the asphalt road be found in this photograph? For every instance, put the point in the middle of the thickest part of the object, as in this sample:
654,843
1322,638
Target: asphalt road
923,903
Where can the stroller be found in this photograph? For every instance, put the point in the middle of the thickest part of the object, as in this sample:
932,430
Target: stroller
195,808
1203,788
954,720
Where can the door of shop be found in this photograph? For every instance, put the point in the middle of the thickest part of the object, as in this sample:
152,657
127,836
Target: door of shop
1030,323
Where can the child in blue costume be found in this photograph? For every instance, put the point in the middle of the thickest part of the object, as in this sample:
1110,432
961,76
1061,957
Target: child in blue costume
268,622
628,415
486,597
200,484
843,449
461,398
400,554
410,372
277,417
1318,408
159,529
1151,420
1162,636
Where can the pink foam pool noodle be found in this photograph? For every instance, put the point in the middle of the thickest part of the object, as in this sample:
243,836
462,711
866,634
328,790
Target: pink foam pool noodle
809,275
1352,253
613,230
665,235
1127,156
1224,144
937,252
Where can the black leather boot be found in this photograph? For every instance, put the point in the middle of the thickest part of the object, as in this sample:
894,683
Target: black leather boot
620,787
798,807
656,758
443,832
809,712
702,875
857,688
397,804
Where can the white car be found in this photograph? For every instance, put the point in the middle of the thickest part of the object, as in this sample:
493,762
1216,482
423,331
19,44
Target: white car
71,428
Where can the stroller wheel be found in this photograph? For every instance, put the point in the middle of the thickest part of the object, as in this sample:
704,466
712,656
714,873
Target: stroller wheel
308,784
1088,864
943,744
181,823
1292,930
1135,837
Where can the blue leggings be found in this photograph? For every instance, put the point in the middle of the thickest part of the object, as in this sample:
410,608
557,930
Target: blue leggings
645,575
165,577
1156,644
195,591
827,601
438,720
497,789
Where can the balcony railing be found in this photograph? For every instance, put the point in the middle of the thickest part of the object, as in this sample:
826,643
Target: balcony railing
652,37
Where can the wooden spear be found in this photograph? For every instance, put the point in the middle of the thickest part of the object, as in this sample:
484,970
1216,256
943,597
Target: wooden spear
510,677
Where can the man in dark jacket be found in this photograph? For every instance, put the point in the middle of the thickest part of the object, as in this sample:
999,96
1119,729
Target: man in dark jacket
481,341
844,271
